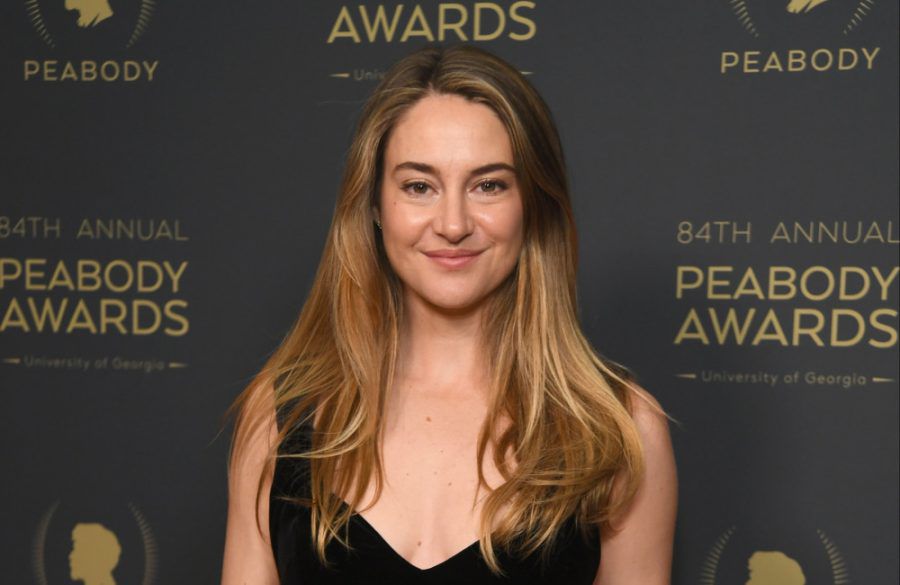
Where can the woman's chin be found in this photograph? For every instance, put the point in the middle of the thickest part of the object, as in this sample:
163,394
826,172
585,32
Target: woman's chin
449,303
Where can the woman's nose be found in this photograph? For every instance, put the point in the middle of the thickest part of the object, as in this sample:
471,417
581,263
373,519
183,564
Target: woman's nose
452,219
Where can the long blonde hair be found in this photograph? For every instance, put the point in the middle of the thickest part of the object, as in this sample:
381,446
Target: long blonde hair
571,430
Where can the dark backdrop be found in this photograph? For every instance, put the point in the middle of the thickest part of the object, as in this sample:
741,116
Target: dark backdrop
704,140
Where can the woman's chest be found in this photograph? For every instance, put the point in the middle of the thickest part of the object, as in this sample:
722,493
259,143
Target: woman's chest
430,505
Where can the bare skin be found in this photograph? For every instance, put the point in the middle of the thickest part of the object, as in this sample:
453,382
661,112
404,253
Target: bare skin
438,402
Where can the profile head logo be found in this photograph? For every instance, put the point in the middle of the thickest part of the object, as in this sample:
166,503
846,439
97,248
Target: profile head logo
797,6
767,567
776,554
94,541
90,12
95,554
90,25
800,20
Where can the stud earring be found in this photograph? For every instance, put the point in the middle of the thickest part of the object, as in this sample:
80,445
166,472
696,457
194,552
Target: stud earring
378,223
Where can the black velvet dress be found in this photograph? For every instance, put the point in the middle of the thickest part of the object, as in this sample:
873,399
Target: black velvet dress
371,560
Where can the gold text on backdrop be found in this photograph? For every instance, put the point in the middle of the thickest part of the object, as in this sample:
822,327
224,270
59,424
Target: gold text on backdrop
417,23
54,70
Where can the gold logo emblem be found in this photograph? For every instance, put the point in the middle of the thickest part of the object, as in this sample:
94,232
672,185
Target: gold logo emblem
90,23
757,19
796,6
791,32
813,558
94,544
95,554
768,567
90,12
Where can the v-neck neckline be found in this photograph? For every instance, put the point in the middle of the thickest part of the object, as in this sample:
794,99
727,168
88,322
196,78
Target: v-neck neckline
393,552
403,560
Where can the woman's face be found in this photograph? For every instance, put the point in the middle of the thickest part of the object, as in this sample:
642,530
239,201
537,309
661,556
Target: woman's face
450,208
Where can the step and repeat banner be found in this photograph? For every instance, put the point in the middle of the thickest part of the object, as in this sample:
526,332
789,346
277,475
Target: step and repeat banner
169,170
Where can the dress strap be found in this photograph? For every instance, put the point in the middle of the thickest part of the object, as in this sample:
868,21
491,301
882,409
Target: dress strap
292,473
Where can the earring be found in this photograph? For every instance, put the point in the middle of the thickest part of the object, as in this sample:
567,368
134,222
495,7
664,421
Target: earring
378,223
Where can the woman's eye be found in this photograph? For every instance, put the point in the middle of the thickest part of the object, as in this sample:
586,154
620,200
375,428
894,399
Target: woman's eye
416,188
492,186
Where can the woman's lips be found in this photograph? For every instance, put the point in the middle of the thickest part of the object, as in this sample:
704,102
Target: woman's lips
453,259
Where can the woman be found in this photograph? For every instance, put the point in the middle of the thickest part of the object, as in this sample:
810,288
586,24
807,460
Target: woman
436,414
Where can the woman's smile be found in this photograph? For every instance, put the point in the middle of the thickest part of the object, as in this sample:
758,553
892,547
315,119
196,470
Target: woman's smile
453,259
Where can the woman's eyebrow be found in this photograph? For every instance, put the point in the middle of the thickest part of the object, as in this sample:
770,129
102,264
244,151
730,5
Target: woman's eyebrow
427,168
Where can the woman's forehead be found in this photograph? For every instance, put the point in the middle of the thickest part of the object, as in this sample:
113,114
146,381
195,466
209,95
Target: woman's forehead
449,131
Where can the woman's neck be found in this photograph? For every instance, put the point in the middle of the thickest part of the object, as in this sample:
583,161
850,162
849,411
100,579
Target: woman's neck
441,349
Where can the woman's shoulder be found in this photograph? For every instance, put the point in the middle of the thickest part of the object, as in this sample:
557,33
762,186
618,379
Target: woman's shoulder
650,418
645,529
261,405
248,553
646,402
